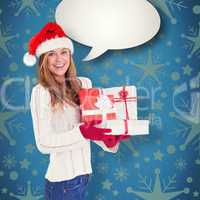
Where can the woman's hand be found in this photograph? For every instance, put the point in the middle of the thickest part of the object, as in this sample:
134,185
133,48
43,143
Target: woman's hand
91,132
111,140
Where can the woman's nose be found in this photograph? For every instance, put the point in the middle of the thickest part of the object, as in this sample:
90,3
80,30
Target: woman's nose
58,57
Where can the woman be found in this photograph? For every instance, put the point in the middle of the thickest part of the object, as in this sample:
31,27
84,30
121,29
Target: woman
56,116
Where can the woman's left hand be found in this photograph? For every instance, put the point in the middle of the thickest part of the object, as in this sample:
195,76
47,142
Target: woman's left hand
111,140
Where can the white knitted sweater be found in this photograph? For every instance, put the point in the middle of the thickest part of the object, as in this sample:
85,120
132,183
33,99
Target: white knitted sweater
58,134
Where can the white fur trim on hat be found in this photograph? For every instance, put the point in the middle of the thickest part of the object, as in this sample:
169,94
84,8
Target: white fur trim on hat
55,43
29,59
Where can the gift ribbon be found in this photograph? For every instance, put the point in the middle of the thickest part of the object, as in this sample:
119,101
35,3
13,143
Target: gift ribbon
123,96
126,126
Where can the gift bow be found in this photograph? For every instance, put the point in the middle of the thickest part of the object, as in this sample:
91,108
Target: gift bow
104,104
123,94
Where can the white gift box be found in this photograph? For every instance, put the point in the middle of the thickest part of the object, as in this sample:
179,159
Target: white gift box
120,105
129,127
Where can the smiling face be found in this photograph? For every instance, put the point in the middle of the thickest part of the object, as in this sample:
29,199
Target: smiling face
58,62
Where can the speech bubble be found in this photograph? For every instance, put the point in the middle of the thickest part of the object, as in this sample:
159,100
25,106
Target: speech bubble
108,24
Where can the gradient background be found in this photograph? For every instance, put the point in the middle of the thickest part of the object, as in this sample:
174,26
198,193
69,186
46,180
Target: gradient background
162,166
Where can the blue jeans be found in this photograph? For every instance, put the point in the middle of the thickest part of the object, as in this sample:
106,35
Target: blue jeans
73,189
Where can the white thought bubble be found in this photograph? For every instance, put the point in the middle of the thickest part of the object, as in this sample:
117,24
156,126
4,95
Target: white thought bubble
108,24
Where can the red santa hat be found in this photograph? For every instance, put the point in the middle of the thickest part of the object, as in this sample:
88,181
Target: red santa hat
50,37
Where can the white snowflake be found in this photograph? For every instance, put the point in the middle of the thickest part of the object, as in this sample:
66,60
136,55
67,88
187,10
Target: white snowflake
121,174
9,161
180,164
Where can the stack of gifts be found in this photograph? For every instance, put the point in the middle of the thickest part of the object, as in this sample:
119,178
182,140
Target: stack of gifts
116,107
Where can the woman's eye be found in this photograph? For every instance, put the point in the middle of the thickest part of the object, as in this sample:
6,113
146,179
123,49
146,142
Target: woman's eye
51,54
64,52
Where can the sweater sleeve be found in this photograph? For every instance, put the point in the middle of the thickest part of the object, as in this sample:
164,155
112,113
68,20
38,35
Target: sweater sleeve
105,148
46,140
87,83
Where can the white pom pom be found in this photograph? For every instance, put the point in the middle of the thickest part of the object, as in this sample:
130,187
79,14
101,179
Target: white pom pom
29,59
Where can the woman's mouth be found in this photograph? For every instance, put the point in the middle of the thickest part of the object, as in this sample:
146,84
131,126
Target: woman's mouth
60,66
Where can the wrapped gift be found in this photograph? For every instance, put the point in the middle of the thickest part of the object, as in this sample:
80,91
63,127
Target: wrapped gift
129,127
108,103
125,101
96,106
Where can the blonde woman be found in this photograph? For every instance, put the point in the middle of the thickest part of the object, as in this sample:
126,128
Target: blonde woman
56,116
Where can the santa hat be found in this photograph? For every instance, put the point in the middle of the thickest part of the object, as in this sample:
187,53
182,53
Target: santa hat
50,37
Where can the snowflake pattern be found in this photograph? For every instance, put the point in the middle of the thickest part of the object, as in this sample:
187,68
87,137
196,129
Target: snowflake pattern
167,5
27,6
194,41
102,168
28,194
149,69
121,174
6,40
180,164
156,191
9,161
5,116
191,118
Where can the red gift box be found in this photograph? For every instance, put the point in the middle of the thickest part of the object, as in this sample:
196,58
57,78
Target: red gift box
89,99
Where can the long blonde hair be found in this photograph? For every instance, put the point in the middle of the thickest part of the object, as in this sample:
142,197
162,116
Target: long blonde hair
58,92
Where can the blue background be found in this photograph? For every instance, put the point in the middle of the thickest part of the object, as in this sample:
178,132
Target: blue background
163,165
